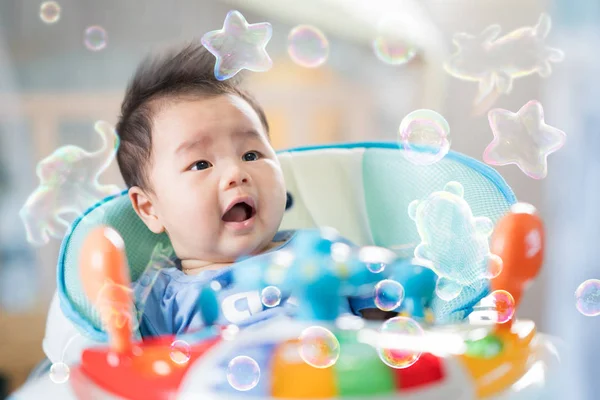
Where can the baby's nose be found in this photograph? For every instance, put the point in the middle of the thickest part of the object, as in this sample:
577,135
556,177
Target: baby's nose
235,177
237,181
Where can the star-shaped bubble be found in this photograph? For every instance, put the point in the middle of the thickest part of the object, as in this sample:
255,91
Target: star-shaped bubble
238,46
523,138
68,186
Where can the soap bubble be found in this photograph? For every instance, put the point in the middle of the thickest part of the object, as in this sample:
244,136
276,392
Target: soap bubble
59,372
271,296
239,45
375,267
388,295
454,243
243,373
113,303
504,303
424,137
180,352
95,38
495,61
68,185
389,46
50,12
496,308
308,46
412,333
588,298
523,139
319,347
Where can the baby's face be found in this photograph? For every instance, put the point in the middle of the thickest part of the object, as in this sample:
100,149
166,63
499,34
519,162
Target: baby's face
218,185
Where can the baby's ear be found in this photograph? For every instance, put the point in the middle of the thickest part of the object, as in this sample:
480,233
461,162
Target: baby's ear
143,205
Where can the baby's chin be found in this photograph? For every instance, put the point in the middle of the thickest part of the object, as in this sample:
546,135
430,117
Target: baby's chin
232,251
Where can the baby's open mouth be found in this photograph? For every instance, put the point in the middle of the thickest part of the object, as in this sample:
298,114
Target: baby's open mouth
239,212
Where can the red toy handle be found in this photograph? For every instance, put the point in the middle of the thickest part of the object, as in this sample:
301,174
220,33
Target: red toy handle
106,281
518,240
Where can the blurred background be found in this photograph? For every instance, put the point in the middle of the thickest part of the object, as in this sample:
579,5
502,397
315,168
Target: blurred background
55,82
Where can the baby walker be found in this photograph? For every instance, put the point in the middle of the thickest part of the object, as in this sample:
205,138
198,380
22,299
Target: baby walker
321,354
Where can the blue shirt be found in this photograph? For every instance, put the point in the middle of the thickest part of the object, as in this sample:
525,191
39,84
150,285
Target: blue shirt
170,305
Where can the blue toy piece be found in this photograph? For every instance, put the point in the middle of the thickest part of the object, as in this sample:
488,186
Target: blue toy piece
419,286
314,278
325,270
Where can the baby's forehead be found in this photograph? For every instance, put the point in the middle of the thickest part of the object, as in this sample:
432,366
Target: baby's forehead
225,112
183,124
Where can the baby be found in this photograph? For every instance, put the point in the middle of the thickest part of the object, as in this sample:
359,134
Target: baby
196,157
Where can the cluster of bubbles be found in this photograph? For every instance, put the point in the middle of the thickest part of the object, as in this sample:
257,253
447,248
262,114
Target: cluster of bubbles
180,352
308,46
587,298
399,346
240,45
423,134
319,347
521,138
243,373
95,38
49,12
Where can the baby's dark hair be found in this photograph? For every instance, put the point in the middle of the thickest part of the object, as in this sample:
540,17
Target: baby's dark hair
182,71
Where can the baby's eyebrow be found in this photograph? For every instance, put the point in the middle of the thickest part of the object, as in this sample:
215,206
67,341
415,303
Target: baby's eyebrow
202,142
247,134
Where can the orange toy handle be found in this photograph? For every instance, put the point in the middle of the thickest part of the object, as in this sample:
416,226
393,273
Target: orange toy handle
518,240
106,281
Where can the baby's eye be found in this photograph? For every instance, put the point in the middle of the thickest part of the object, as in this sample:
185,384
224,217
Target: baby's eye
251,156
200,165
